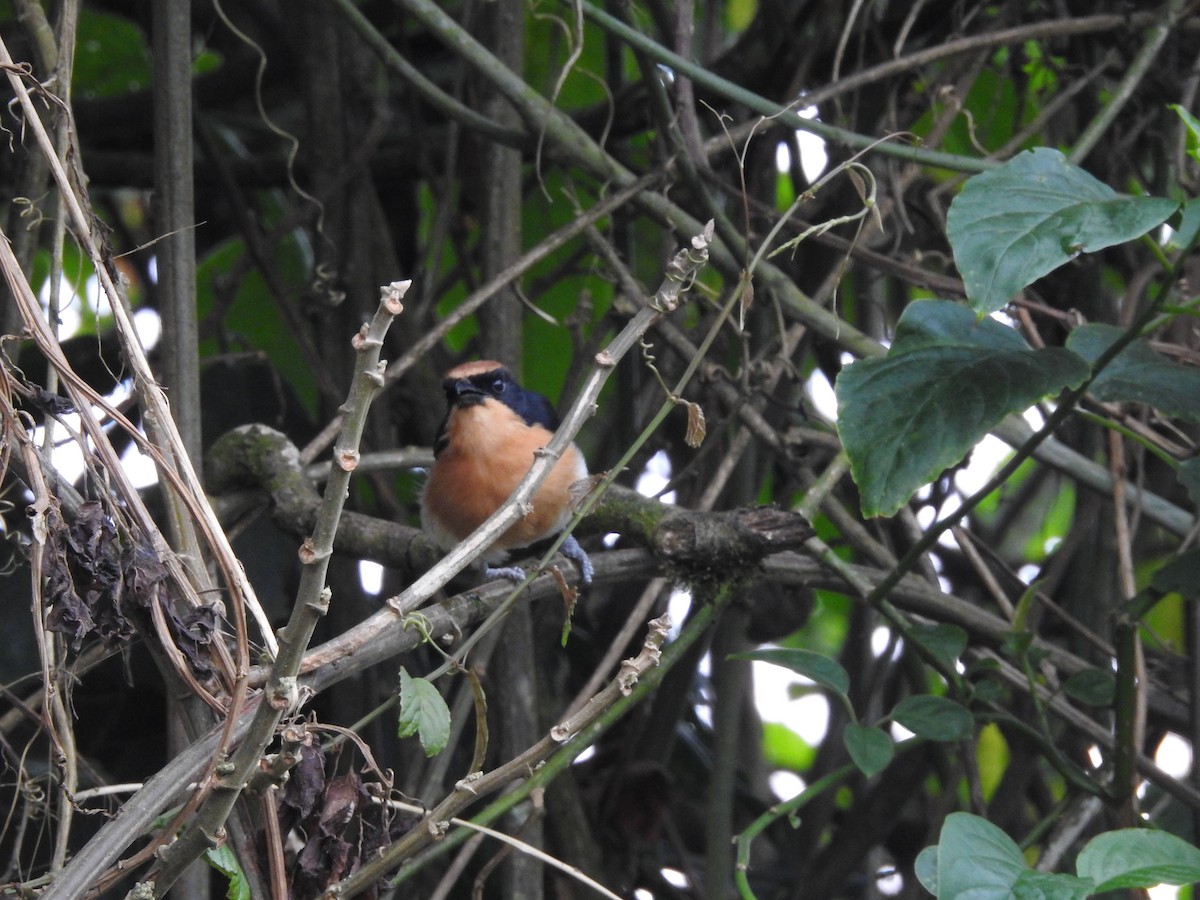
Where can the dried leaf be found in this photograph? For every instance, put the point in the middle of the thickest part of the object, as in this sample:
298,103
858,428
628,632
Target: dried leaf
306,781
697,428
344,796
192,629
82,574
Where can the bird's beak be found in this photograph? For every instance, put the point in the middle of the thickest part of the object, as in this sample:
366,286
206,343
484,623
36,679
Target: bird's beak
460,389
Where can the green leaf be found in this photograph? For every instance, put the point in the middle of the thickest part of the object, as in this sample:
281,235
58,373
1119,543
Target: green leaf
1188,225
925,868
821,669
992,757
934,718
784,749
1095,687
1193,130
423,712
1137,374
976,859
1138,858
948,378
224,860
251,313
945,643
1034,885
1012,225
111,56
870,748
1181,575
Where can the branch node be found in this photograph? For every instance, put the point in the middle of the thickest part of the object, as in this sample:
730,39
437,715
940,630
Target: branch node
284,694
346,459
308,551
390,295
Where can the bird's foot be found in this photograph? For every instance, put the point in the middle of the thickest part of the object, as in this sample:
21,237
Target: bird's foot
514,574
571,550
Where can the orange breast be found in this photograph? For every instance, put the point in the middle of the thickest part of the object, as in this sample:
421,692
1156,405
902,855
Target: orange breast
490,450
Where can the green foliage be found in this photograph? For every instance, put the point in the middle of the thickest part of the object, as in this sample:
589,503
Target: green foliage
740,13
249,315
948,378
1192,125
871,748
992,107
1137,858
551,43
975,860
398,174
945,643
1181,575
824,671
1055,523
934,718
784,749
1186,226
423,712
1138,374
224,860
1041,69
1011,226
111,56
992,756
1095,687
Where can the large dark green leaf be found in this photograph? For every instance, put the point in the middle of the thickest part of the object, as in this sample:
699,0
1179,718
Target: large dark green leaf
948,378
975,860
1137,374
934,718
1011,226
1138,858
821,669
974,854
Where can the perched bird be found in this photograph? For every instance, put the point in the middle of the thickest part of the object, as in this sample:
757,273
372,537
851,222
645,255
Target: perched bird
484,448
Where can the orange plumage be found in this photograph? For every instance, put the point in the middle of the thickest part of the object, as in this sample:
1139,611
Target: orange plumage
486,446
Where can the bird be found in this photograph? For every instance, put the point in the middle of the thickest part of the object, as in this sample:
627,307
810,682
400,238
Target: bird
485,446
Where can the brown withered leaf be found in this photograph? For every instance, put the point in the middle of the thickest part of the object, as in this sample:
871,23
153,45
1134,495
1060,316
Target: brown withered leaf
306,781
192,629
84,585
343,828
334,833
66,612
345,795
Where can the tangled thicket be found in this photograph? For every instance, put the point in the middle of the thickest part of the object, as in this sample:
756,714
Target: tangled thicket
247,175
